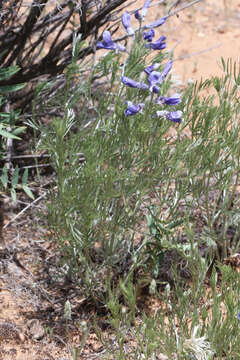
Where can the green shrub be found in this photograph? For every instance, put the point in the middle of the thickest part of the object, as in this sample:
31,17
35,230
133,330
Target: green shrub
133,163
9,129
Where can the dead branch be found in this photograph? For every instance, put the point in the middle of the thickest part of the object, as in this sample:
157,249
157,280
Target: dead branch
40,42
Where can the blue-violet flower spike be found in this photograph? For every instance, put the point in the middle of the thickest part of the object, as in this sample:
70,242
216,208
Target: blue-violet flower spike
171,100
126,21
133,109
156,23
159,44
149,35
134,84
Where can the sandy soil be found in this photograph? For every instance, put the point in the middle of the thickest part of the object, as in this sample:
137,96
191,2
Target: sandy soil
200,35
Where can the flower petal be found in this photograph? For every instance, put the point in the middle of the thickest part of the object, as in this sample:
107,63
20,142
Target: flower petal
102,45
151,68
156,23
126,18
133,109
171,100
155,89
126,21
107,38
159,44
107,42
175,116
155,77
167,68
137,15
149,35
134,84
145,8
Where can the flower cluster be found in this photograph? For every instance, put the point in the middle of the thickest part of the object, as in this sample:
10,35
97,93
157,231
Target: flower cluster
154,77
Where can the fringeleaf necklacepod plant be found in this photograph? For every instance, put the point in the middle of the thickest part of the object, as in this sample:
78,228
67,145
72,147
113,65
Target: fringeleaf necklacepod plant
153,77
126,151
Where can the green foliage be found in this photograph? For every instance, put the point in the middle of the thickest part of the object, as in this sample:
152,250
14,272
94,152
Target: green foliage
149,188
145,190
211,159
161,240
186,324
5,74
16,182
9,129
98,207
134,162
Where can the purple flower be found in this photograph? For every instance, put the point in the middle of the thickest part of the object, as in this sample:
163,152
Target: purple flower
108,44
171,100
149,35
155,77
133,109
134,84
175,116
159,44
156,23
151,68
145,8
238,316
167,68
155,89
126,21
137,15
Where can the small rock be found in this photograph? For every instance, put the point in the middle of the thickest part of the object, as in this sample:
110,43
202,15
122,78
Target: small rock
36,330
221,29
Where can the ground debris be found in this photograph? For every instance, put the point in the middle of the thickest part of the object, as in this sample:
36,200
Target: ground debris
10,331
